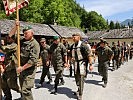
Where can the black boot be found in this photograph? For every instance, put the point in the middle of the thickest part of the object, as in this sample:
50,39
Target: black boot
105,84
7,94
49,81
8,97
102,79
54,91
39,85
62,82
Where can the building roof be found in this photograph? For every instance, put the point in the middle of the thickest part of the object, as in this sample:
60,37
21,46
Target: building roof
42,29
39,29
111,34
68,31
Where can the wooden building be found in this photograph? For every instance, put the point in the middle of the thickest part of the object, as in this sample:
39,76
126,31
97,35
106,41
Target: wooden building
122,35
42,30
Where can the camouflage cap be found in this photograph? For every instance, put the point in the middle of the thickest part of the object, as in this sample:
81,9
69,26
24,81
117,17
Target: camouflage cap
26,28
56,37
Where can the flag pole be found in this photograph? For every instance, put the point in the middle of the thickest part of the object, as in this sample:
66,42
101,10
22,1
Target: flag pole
18,34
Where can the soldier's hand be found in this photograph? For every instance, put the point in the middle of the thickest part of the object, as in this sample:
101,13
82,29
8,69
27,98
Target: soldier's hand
90,67
19,69
47,63
68,65
2,69
65,65
72,59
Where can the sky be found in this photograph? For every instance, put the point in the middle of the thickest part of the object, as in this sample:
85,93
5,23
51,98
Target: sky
115,10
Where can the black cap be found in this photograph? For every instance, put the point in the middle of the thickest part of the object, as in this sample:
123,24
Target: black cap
103,41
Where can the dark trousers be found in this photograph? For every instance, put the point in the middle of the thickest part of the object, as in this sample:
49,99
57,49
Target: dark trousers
9,81
116,63
103,70
71,70
45,71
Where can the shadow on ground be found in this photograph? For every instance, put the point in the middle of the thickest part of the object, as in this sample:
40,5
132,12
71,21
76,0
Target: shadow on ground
95,82
67,91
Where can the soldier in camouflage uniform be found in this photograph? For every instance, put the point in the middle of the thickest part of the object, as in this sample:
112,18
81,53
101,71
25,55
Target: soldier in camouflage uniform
105,54
29,56
80,56
67,45
44,56
58,56
116,58
9,77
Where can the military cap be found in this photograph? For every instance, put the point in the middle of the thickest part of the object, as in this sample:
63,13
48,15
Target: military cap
42,40
76,34
115,43
56,37
26,28
103,41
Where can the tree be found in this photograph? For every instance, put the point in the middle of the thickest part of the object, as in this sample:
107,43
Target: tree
117,25
111,26
2,10
32,13
95,22
62,12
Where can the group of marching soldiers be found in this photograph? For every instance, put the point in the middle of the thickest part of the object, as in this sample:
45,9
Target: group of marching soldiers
30,51
59,55
122,53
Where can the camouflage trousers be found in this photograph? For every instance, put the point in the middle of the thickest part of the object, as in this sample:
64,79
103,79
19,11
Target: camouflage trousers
45,71
79,81
103,70
27,79
59,74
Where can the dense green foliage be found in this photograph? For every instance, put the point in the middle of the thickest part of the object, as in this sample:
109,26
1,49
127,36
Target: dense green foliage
62,12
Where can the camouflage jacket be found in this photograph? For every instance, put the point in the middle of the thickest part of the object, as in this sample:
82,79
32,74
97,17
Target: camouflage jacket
44,53
104,54
29,52
58,51
10,51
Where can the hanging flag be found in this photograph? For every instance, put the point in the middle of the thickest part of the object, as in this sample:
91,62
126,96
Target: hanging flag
10,5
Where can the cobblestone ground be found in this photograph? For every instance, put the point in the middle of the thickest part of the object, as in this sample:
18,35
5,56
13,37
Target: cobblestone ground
120,86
